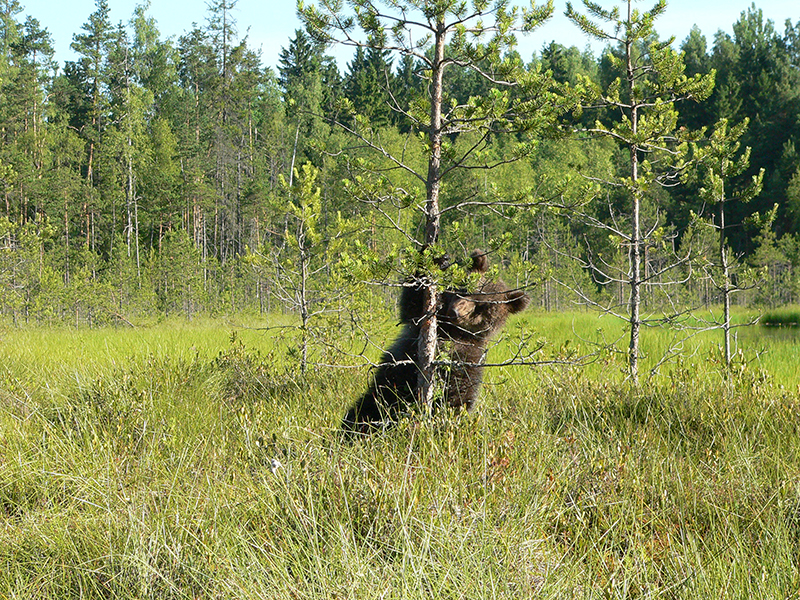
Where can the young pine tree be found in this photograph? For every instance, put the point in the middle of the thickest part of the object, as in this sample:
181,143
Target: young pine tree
443,37
720,163
649,81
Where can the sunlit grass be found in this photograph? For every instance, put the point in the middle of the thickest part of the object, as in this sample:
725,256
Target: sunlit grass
177,462
585,334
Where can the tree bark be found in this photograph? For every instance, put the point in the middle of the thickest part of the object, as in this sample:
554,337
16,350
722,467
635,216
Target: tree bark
427,342
726,283
635,280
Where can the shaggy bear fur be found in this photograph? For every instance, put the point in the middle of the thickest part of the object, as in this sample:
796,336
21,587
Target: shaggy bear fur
466,323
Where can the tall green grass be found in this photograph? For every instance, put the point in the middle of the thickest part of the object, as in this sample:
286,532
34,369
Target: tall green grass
602,342
787,316
177,462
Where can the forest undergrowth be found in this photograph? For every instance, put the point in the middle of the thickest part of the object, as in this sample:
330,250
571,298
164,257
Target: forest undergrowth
181,461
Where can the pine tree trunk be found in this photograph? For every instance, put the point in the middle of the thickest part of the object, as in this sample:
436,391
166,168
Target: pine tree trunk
635,280
304,309
427,342
726,284
66,240
635,285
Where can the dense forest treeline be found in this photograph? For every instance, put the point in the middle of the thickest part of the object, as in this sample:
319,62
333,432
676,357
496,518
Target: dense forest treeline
178,175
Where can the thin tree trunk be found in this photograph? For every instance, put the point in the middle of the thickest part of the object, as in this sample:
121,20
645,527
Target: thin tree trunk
726,283
635,285
636,233
129,202
136,241
304,309
66,239
294,153
427,342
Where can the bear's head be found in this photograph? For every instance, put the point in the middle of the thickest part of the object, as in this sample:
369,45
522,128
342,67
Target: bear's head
476,316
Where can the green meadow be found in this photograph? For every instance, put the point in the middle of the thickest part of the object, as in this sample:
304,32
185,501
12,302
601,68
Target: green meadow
192,460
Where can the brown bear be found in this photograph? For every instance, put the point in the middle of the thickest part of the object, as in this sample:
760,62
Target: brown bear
466,322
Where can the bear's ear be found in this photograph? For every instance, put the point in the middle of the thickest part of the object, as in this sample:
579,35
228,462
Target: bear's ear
480,261
517,301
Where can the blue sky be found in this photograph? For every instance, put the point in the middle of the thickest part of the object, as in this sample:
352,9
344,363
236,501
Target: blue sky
271,23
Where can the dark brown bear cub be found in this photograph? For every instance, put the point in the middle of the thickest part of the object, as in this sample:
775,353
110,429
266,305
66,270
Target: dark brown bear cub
466,322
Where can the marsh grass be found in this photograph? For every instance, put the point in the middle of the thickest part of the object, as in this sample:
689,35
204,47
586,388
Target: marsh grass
787,316
184,462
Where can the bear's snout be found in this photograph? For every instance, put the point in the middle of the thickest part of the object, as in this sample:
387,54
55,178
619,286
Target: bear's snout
460,308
